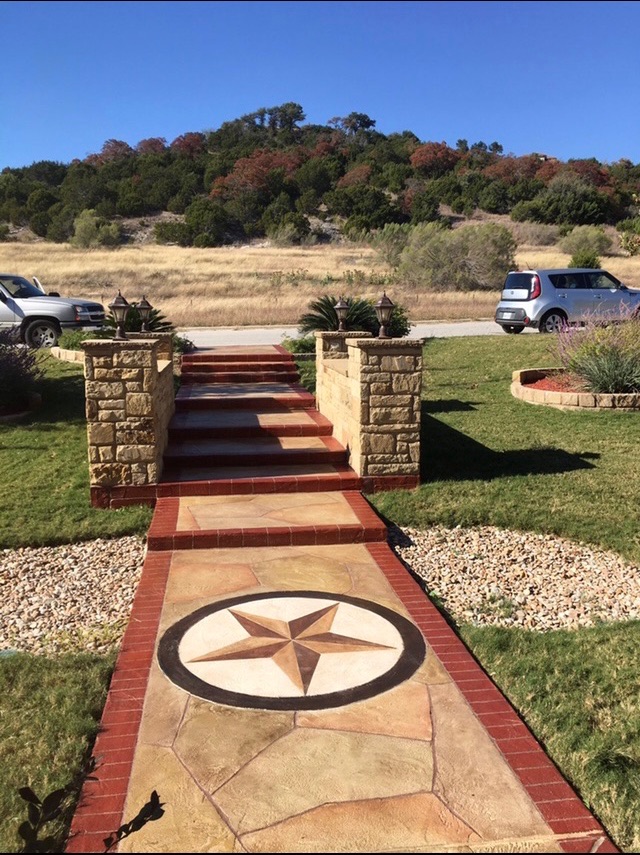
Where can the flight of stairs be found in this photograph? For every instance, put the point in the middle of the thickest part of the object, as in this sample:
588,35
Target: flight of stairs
244,424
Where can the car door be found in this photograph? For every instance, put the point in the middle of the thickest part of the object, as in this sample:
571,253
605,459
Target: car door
607,298
8,317
572,295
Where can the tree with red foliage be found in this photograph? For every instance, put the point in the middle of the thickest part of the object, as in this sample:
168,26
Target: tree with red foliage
191,144
434,159
254,173
358,175
152,145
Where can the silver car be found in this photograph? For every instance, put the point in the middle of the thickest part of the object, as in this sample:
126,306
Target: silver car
37,318
548,300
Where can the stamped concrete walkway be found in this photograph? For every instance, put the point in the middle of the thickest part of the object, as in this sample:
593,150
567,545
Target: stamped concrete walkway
284,683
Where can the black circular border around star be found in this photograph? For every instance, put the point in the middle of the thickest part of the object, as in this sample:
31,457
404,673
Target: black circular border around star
412,656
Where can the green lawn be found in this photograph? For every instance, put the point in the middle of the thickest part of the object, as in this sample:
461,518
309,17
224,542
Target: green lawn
487,459
44,476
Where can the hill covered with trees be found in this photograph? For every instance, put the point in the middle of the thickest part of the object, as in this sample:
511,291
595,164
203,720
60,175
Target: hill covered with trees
270,174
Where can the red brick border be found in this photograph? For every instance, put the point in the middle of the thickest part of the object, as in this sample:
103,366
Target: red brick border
101,805
554,797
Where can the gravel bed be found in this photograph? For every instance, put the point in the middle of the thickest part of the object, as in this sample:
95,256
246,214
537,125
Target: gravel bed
489,576
68,598
78,597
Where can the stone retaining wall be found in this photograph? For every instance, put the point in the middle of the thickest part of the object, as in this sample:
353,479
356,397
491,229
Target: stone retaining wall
129,394
369,388
521,388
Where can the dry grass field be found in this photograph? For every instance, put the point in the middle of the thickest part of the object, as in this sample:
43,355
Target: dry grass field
257,285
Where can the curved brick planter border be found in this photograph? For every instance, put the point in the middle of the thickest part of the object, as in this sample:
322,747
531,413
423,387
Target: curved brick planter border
567,400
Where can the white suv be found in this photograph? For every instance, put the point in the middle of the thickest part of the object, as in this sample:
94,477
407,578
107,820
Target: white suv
548,300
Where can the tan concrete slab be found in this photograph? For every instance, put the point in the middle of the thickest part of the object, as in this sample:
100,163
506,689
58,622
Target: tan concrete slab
215,742
404,711
278,510
190,822
309,768
473,778
415,823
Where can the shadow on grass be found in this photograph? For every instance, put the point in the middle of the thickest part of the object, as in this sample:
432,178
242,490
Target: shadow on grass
62,400
449,455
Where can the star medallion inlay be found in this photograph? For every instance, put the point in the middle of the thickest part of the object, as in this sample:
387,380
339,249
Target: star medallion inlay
295,646
290,650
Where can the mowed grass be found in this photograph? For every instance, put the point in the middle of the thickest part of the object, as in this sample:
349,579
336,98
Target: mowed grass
488,458
44,480
49,713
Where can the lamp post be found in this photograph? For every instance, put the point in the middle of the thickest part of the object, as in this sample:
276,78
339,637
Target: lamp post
144,310
383,308
342,307
119,309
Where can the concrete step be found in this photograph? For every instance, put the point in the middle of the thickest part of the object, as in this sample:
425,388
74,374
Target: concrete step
234,396
255,451
238,480
277,519
205,424
253,376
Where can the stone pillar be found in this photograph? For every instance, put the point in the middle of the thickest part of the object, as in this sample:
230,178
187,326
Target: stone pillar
370,388
164,339
129,402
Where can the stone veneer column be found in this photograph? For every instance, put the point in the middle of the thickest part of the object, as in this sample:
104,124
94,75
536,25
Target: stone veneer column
129,401
372,398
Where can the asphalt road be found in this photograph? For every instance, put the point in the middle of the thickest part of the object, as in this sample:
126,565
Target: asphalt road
213,337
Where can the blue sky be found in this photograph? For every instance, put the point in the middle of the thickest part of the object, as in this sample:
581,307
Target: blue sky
558,78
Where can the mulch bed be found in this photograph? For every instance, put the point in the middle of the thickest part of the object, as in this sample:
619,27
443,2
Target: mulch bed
559,383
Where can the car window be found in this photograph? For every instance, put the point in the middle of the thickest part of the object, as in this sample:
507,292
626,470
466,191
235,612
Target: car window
568,280
19,287
601,279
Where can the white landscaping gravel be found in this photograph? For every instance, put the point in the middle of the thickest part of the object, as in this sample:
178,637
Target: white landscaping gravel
490,576
78,597
68,598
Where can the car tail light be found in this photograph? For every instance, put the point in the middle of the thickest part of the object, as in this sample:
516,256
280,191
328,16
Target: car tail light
536,287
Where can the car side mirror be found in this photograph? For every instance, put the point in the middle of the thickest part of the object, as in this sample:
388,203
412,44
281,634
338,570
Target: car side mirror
53,294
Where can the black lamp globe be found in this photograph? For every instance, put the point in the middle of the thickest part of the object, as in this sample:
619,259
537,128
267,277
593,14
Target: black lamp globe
342,308
120,309
144,310
384,308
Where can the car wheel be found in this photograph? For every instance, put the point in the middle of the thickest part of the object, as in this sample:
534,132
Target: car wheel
41,334
513,330
552,322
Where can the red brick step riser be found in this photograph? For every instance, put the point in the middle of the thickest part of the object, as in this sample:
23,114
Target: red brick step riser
244,367
173,459
235,377
240,357
295,536
292,402
186,434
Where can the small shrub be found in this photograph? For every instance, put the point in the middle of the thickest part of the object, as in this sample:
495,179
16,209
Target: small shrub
303,344
19,371
586,240
72,339
605,356
390,241
584,259
471,258
182,344
535,234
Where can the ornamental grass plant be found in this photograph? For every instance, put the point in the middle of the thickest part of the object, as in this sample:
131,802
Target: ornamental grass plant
606,357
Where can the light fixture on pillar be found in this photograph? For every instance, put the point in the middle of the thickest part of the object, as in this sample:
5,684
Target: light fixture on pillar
144,310
342,307
383,308
120,309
